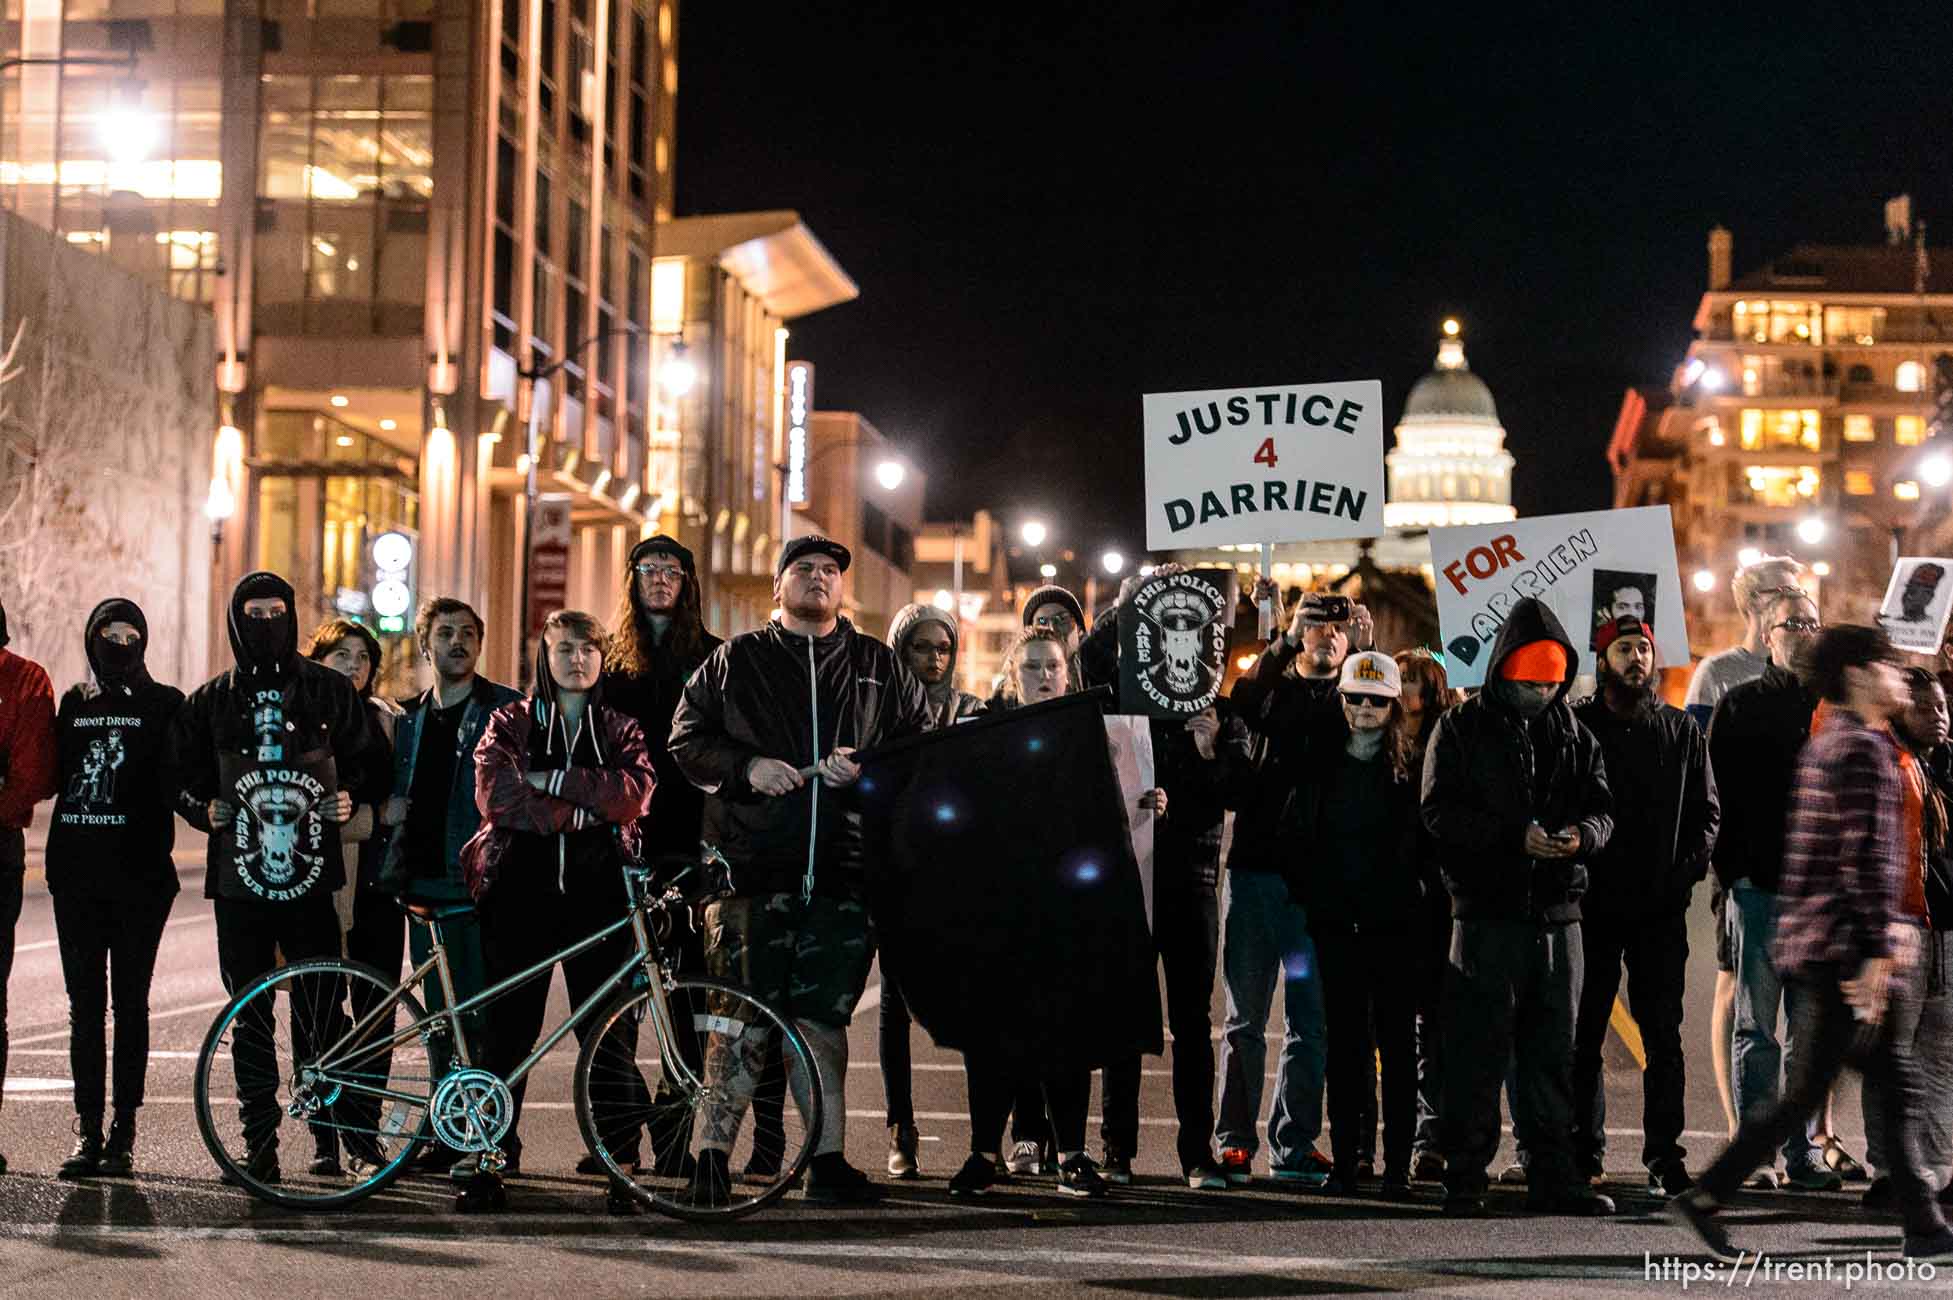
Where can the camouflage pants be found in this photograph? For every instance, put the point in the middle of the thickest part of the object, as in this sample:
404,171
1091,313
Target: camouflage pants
809,959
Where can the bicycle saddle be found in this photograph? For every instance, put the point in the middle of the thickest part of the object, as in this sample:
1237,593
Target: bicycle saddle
426,909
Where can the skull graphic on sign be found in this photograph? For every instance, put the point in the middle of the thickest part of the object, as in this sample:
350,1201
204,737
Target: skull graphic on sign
280,811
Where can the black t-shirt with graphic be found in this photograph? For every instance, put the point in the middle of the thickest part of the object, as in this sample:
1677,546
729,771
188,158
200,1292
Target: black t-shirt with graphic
114,821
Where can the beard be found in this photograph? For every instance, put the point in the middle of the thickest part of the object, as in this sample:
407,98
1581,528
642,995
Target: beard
1615,686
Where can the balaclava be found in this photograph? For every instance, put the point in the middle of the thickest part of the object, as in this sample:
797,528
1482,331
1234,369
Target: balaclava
265,648
117,667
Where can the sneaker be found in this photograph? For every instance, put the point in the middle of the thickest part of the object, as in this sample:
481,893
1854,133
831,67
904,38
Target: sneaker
1880,1196
1207,1177
1313,1169
86,1161
711,1184
1670,1178
1116,1167
1579,1201
1937,1246
1428,1168
1513,1175
325,1162
1078,1176
464,1169
1696,1213
1766,1179
1026,1160
1238,1165
977,1176
831,1179
1815,1180
902,1143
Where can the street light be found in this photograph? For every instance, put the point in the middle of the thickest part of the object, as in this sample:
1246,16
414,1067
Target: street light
1113,562
1033,533
1747,556
1048,571
128,132
1811,530
890,474
1704,580
1936,470
678,374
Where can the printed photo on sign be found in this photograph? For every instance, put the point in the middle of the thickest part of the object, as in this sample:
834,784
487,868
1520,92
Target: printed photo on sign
1277,464
1620,594
1916,603
1587,568
1173,642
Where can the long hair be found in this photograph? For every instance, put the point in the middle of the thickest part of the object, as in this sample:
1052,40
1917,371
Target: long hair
1423,672
1012,689
1934,831
329,635
632,649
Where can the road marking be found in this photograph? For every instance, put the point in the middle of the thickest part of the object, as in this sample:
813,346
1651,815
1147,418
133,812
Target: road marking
53,1035
39,945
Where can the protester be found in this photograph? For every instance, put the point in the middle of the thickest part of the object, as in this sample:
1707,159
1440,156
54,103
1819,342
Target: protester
27,773
561,780
1754,738
1636,908
1516,796
659,641
1850,922
766,714
1037,667
431,814
1356,869
274,707
1055,608
1426,695
1928,983
1755,588
350,650
1194,762
927,639
109,873
1265,932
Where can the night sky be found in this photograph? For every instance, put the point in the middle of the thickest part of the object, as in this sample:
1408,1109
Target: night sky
1053,208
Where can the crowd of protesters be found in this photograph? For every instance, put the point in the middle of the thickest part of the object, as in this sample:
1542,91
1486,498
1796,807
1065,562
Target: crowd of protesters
1445,890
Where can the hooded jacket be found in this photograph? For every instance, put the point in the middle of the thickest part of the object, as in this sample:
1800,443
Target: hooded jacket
1665,810
947,704
323,715
1754,737
777,694
586,818
114,819
27,752
677,814
1489,774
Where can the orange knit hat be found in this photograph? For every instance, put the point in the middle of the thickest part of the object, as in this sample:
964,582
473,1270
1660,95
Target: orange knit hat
1535,661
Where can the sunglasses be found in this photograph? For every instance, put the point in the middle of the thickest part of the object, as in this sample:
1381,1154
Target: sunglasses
1356,701
1799,625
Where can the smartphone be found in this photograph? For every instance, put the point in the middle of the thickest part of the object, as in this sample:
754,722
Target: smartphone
1326,609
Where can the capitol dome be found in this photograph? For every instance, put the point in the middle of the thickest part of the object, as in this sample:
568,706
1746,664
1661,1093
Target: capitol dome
1450,465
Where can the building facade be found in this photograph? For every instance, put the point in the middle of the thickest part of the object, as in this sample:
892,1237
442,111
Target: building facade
1800,421
861,491
392,209
964,566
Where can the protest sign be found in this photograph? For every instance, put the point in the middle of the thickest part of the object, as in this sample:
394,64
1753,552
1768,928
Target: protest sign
1130,741
1173,642
1253,465
1589,568
1916,602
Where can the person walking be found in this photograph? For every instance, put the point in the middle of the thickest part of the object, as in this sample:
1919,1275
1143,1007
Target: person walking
1636,909
1850,919
1515,793
110,875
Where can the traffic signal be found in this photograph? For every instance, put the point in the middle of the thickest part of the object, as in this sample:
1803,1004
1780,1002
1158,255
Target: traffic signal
392,590
1942,425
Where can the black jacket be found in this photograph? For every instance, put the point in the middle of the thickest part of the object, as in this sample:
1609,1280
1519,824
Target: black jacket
1665,811
1187,841
677,806
1754,738
1388,897
775,694
1489,775
1279,709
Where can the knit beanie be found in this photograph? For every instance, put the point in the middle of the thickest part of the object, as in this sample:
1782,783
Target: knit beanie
1535,661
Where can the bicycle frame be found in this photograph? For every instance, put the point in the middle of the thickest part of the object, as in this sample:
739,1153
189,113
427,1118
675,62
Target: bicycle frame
645,957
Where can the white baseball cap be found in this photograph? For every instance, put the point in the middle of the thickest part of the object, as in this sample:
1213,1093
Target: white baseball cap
1372,673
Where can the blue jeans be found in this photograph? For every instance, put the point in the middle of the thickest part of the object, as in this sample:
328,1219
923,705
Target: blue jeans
1266,936
1756,1060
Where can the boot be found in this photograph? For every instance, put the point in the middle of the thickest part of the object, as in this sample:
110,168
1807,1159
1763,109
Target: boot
86,1159
119,1155
484,1194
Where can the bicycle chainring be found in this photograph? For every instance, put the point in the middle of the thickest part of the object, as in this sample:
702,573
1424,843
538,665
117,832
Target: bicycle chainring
471,1110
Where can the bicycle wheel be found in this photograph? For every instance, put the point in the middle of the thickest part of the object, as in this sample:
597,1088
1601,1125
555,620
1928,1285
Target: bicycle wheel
294,1107
649,1127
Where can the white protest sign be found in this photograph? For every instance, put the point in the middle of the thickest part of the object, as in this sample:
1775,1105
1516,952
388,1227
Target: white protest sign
1588,568
1916,602
1278,464
1130,739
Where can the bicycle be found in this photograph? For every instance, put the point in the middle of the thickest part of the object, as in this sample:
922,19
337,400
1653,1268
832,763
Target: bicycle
373,1073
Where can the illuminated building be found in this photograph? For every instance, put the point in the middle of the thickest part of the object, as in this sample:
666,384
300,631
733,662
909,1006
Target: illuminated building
1450,465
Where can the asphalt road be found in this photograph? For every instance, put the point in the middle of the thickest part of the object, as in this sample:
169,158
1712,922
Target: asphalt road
173,1230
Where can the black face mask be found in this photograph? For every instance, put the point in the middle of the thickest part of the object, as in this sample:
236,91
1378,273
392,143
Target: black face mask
1527,704
116,658
265,639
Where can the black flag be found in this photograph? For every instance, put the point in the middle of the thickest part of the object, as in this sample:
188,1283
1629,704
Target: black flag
1006,901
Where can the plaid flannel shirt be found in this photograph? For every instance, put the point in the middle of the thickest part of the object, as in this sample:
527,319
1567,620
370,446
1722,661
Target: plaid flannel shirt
1843,857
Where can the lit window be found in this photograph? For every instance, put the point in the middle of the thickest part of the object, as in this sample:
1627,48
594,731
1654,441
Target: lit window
1860,325
1781,485
1858,482
1858,428
1752,429
1790,429
1908,430
1752,376
1911,377
1906,491
667,294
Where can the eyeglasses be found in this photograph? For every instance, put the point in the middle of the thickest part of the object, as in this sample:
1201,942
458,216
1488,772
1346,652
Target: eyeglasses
1057,620
925,649
1365,701
660,572
1799,625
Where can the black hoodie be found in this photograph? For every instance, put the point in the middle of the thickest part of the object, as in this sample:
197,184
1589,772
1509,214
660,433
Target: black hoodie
114,820
323,716
1488,775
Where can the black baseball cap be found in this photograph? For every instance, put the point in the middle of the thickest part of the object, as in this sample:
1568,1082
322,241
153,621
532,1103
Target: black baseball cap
663,544
813,544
